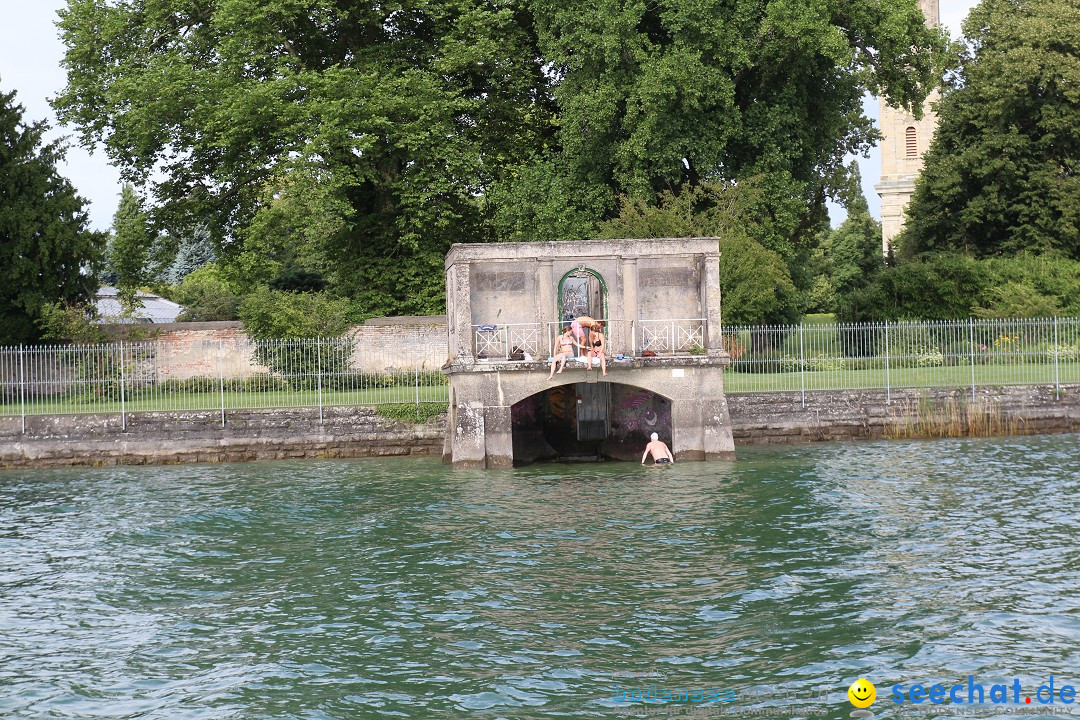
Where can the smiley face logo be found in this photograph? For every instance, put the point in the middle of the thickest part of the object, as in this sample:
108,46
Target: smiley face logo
862,693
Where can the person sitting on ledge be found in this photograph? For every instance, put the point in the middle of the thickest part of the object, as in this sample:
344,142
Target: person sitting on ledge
564,348
659,451
596,346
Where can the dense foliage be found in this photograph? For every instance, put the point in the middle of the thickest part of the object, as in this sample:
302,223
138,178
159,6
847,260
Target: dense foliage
357,141
129,250
951,286
1002,176
47,253
754,281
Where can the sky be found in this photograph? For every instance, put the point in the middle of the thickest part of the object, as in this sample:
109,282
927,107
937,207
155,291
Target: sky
30,55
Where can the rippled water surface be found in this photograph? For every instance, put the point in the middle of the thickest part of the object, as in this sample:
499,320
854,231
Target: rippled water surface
400,588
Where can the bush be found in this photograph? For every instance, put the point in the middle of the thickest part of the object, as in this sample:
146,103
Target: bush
411,412
206,296
952,286
944,287
913,346
272,314
755,285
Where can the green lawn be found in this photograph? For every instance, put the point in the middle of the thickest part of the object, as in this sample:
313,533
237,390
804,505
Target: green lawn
233,400
954,376
735,381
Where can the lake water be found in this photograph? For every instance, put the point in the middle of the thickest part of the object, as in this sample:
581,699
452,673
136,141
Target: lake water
401,588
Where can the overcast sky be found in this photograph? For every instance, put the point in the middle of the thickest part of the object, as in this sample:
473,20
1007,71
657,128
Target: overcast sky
30,54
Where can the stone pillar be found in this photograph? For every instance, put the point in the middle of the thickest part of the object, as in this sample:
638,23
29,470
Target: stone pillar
630,302
545,299
462,317
498,437
687,441
716,423
448,433
710,303
468,442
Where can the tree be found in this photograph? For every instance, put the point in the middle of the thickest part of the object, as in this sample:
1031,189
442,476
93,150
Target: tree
853,250
193,251
754,281
364,138
1002,175
384,122
47,253
654,96
129,252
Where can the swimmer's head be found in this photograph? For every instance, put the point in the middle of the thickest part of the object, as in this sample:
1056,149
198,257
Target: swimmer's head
654,436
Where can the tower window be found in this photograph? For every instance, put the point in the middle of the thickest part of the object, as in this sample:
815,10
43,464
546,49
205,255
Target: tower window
912,143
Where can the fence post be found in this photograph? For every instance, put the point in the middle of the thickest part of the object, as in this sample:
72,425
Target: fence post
318,374
971,342
888,384
123,407
221,379
22,387
802,365
1057,387
417,376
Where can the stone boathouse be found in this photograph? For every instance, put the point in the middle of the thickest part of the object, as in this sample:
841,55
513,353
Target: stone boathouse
659,302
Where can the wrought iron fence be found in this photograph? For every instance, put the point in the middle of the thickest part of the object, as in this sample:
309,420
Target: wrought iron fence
207,375
316,373
954,353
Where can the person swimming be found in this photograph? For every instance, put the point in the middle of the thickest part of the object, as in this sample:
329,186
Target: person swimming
659,450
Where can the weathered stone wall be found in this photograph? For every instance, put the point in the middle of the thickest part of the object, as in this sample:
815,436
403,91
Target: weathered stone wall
181,351
847,415
358,432
400,343
178,437
188,350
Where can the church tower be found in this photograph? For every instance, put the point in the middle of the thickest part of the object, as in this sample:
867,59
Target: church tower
903,144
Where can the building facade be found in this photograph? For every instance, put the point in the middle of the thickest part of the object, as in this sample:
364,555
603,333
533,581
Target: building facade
658,302
904,142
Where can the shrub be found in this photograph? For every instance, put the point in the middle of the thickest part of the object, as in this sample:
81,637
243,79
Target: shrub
411,412
206,296
755,284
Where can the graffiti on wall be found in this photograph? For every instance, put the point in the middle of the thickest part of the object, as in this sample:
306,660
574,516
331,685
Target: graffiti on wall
635,413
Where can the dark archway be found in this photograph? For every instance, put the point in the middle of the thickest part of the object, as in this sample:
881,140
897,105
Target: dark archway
581,422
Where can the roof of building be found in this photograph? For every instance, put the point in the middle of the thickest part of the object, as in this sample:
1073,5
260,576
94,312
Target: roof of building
152,308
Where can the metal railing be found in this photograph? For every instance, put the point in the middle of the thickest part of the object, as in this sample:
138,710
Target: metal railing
669,337
953,353
522,341
152,376
220,376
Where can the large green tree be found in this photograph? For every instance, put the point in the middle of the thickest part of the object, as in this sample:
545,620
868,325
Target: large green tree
656,95
47,253
360,139
1002,175
129,251
368,130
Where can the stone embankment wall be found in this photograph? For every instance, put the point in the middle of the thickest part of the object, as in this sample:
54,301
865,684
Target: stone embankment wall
179,437
176,437
858,414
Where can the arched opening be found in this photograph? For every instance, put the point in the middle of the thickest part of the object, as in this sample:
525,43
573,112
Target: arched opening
582,292
588,422
912,142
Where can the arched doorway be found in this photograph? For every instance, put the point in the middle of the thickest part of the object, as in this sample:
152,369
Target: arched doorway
582,292
581,422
